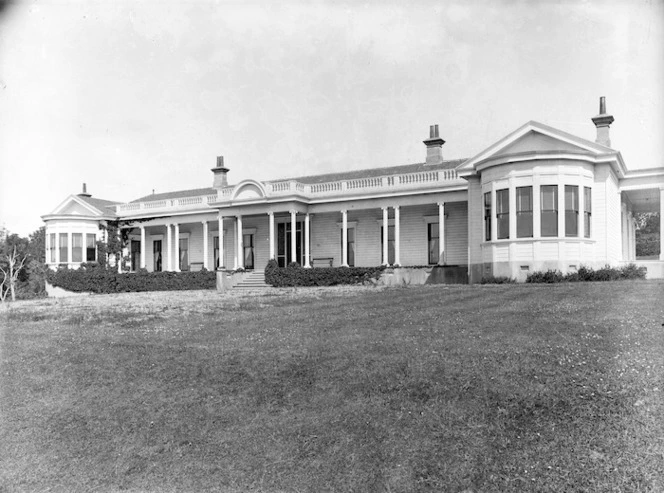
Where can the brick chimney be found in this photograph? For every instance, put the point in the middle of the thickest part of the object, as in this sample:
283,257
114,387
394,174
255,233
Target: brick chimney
219,172
434,146
603,122
84,193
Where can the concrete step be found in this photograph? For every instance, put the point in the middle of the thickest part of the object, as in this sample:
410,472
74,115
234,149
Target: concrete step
254,280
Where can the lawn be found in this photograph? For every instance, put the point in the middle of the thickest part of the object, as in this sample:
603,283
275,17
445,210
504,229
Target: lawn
431,388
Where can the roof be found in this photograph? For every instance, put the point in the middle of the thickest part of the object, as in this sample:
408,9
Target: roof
313,179
105,206
178,194
373,172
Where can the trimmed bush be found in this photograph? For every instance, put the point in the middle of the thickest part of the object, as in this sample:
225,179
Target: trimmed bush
295,275
585,274
96,279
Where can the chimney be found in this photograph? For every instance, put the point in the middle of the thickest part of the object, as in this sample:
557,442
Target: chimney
603,122
434,146
220,180
85,192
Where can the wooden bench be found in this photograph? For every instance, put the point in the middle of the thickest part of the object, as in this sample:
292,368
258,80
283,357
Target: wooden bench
322,262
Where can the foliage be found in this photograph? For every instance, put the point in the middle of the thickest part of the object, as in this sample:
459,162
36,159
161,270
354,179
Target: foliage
584,274
497,280
295,275
647,234
98,279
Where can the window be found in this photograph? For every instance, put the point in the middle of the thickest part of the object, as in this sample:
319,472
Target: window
156,255
90,248
524,212
549,206
64,248
503,214
487,216
77,247
571,210
216,252
350,245
433,237
51,247
587,211
184,254
390,244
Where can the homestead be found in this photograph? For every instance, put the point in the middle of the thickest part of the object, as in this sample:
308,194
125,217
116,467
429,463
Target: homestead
538,199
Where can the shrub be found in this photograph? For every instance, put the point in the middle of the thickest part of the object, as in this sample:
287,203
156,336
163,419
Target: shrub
585,274
295,275
97,279
497,280
550,276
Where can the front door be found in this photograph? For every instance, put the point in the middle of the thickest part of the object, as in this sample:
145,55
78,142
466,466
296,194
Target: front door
248,246
156,245
135,255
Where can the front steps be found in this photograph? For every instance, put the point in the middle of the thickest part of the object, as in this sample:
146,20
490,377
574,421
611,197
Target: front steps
253,280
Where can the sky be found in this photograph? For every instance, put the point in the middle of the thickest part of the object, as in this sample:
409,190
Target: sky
135,96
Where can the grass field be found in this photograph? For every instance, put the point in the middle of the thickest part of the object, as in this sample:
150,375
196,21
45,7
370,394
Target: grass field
432,388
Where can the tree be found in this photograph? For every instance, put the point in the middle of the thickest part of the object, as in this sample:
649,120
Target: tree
11,266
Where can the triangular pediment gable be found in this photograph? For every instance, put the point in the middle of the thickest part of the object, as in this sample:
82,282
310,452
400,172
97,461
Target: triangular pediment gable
539,142
74,206
535,137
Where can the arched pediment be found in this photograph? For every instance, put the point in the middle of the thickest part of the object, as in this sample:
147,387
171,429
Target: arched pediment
249,189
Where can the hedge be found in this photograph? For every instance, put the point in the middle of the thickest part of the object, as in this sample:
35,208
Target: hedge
630,271
100,280
295,275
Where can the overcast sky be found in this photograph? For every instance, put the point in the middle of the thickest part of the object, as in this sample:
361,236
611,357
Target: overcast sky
132,96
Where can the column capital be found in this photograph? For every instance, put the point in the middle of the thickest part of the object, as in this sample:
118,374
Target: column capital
440,204
271,214
396,207
344,211
292,211
384,209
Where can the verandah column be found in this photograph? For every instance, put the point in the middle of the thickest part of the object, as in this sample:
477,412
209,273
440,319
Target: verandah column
220,220
142,247
270,216
293,219
306,241
205,245
239,250
386,225
397,246
344,238
169,256
441,233
176,254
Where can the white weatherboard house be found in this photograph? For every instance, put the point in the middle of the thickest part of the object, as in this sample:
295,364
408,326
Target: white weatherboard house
537,199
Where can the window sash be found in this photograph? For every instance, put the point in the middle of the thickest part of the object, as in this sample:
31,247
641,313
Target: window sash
90,248
549,210
487,216
52,247
524,212
433,241
503,214
215,249
571,210
64,247
587,211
